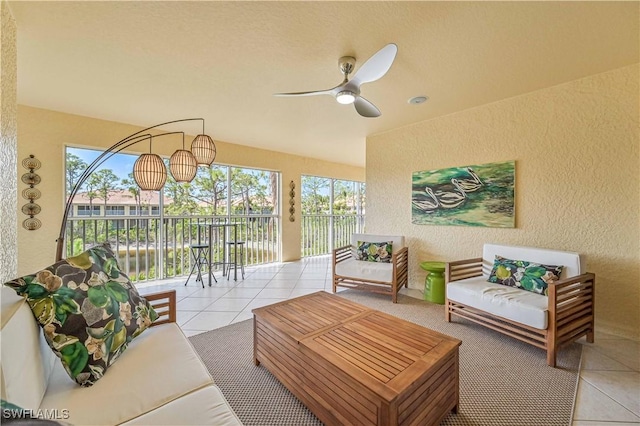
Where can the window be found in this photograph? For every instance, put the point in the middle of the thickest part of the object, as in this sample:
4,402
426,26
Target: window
332,210
88,210
114,211
144,211
254,192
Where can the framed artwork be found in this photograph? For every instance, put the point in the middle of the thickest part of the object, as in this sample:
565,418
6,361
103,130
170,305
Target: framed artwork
475,195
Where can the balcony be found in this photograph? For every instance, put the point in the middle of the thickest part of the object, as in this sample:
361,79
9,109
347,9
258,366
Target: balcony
151,248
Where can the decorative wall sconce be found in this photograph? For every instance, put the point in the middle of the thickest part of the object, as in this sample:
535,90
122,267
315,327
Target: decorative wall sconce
292,201
31,209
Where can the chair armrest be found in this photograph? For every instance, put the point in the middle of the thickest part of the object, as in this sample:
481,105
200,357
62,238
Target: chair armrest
401,256
164,303
461,269
341,254
400,261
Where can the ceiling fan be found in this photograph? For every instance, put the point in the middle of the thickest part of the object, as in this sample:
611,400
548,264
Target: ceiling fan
348,92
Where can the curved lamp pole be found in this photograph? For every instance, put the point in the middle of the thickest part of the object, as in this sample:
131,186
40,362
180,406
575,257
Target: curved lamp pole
104,156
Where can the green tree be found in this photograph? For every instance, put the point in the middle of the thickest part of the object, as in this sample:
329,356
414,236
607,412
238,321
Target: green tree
313,199
246,185
91,194
181,193
344,197
211,187
133,188
75,166
104,181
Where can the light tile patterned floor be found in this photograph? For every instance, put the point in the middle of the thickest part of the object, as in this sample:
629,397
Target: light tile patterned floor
608,390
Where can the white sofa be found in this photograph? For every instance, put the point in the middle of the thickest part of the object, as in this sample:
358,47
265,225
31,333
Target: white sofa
545,321
377,277
158,380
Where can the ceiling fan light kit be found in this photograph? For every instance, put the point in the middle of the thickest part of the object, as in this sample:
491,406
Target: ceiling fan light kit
348,92
346,97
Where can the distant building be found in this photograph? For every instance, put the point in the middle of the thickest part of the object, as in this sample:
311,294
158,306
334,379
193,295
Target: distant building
119,203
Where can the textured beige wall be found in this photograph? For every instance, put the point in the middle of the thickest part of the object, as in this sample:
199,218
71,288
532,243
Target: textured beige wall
44,133
576,148
8,145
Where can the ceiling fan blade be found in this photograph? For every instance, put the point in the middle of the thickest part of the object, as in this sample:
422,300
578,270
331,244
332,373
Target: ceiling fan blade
314,93
366,108
376,66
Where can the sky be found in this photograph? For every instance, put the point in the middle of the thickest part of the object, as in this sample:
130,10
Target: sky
120,164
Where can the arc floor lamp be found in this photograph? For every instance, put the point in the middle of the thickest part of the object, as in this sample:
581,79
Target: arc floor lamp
149,170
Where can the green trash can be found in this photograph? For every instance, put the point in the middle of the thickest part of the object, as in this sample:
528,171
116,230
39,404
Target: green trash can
434,282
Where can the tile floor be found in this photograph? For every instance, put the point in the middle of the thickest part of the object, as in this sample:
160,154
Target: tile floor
608,391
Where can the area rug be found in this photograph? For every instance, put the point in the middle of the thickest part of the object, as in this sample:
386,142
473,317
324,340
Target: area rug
502,380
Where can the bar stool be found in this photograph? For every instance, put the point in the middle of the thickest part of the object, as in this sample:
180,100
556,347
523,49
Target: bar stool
200,255
238,250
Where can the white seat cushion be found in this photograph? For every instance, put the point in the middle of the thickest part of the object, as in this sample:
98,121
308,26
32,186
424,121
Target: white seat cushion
159,366
205,406
367,271
511,303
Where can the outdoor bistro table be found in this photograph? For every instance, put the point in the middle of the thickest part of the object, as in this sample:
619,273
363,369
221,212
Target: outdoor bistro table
223,262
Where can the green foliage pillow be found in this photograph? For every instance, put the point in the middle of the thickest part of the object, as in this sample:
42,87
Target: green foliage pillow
88,309
533,277
374,252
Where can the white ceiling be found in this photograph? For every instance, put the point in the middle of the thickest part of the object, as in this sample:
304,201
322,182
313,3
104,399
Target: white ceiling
148,62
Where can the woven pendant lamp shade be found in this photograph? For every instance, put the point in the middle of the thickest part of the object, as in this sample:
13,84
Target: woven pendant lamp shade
183,166
204,150
149,172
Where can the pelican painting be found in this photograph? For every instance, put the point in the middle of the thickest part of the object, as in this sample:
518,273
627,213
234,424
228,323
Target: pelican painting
427,204
475,195
451,199
470,185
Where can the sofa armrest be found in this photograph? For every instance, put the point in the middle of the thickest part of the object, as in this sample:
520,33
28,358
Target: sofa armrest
164,304
461,269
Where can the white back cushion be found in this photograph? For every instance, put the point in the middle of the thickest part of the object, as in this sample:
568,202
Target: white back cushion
396,245
572,263
25,358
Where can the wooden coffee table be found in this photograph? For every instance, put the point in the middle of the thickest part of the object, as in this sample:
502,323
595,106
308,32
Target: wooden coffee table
350,364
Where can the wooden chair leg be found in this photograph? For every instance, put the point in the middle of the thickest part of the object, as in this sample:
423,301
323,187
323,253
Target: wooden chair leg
447,314
590,336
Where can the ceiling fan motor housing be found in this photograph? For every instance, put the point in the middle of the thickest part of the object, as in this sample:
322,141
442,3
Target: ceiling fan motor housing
347,64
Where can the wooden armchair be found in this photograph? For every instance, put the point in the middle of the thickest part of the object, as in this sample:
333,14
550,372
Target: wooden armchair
385,278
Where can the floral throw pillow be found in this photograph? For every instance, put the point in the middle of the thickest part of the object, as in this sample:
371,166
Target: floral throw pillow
88,309
374,252
530,276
